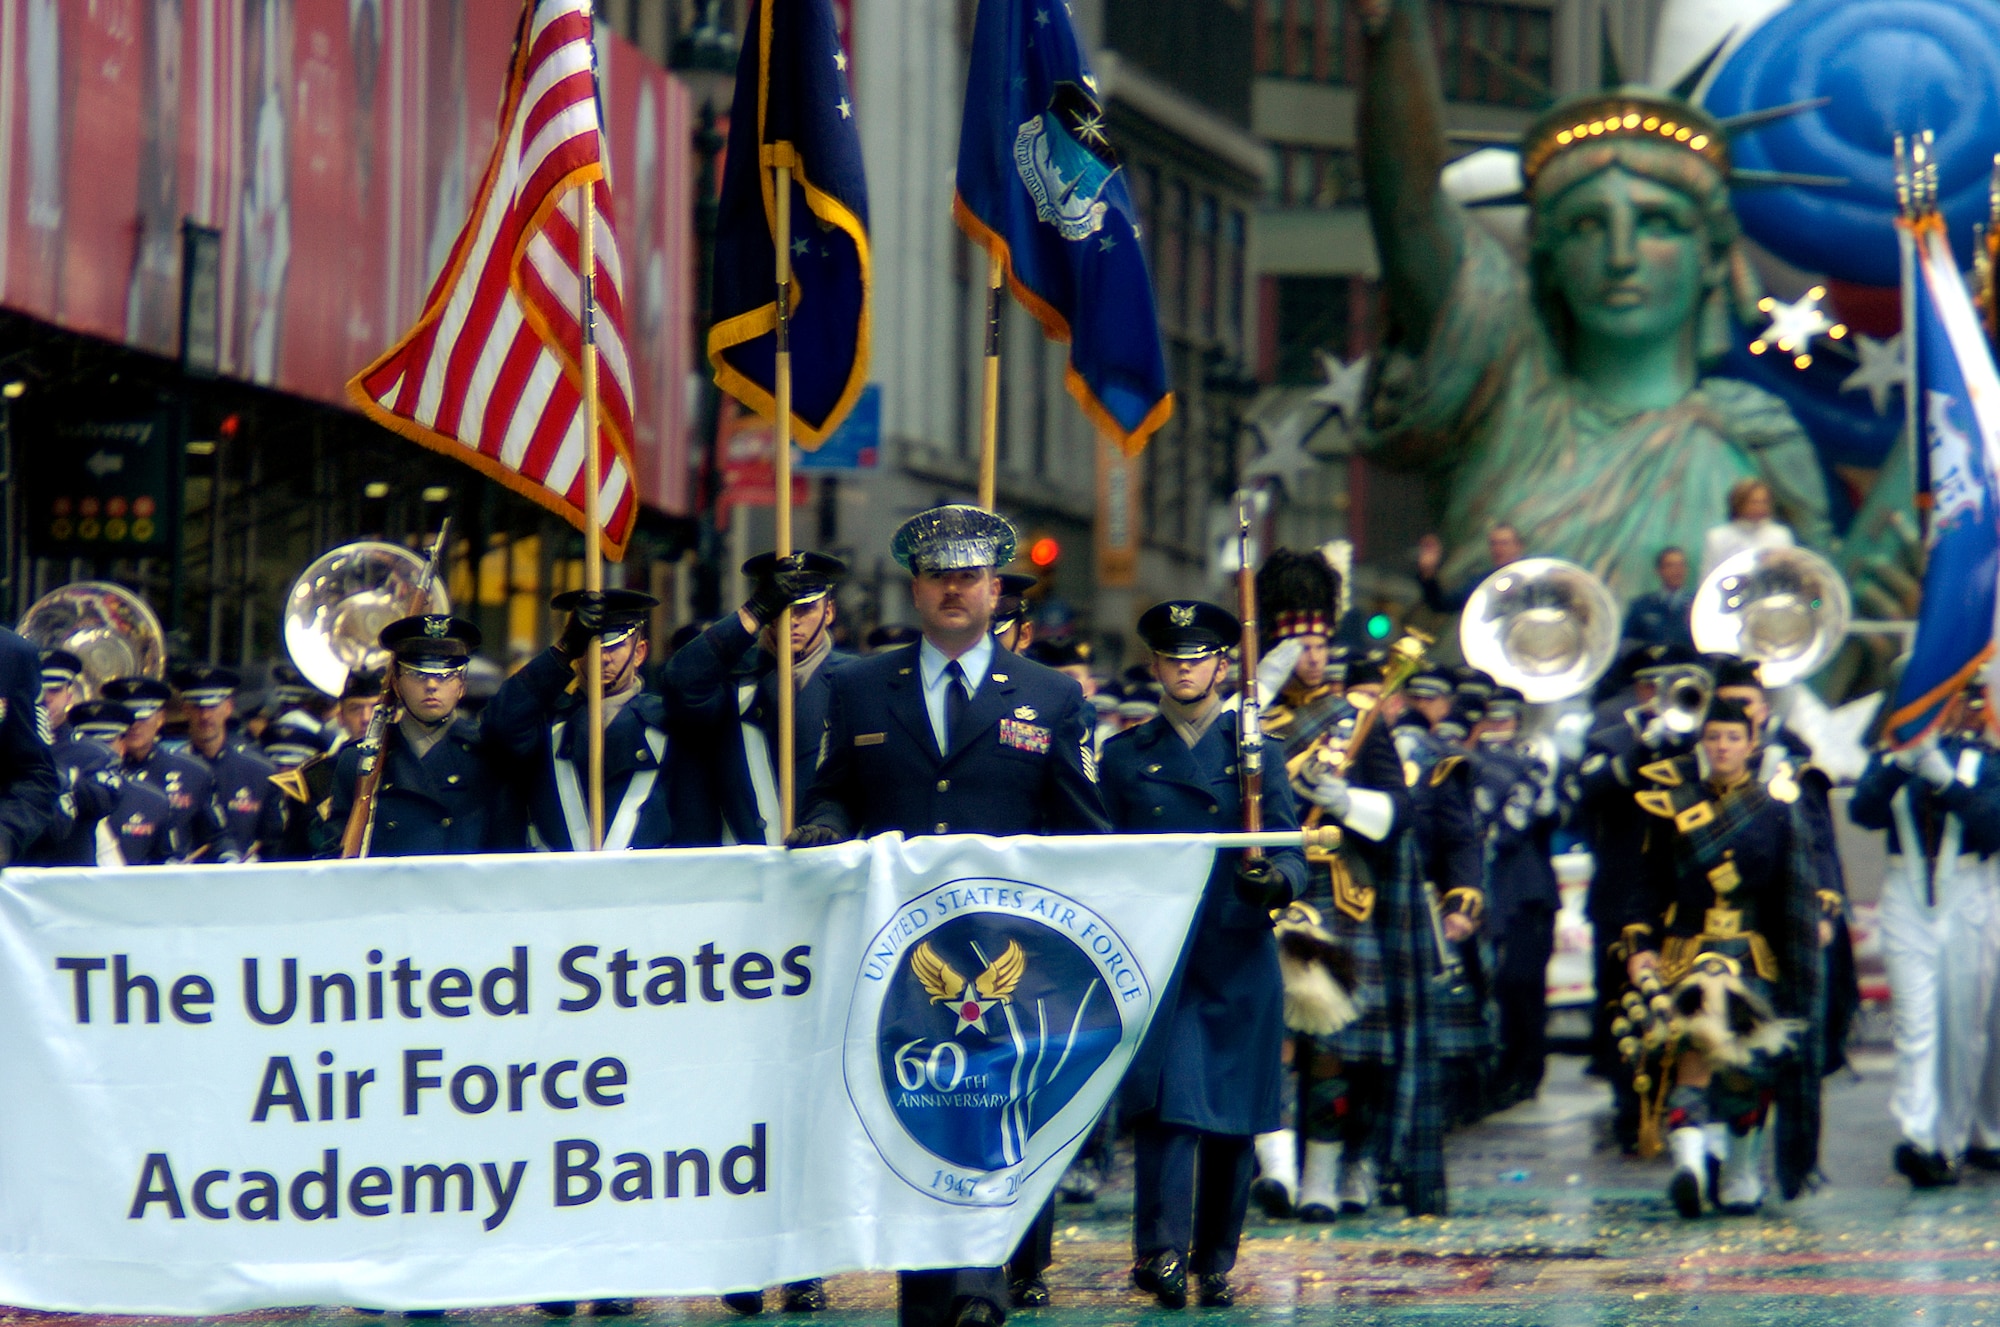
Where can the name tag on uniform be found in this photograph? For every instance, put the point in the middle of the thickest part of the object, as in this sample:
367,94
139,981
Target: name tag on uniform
869,739
1024,737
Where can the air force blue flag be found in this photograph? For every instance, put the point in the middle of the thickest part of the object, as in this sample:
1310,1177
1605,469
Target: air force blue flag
1039,185
1958,394
793,108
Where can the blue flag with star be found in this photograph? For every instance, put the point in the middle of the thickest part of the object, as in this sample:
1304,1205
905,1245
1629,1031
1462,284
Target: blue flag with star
793,107
1039,186
1958,460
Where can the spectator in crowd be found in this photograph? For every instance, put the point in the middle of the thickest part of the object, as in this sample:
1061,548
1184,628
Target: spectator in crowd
1751,524
1660,617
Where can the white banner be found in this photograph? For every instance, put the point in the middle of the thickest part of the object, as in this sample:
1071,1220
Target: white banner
441,1082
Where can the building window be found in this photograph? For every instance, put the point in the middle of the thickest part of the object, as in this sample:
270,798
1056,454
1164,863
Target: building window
1489,51
1315,315
1234,274
1204,267
1312,177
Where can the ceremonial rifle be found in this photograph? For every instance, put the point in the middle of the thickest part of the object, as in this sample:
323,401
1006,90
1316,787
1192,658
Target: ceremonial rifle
1250,737
360,831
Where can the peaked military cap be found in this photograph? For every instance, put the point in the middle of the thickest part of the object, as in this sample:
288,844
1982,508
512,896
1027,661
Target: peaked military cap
431,642
1660,658
1431,684
60,668
1505,703
953,538
144,696
1067,652
890,635
814,573
205,686
289,687
1730,671
103,720
362,684
1188,629
1724,710
293,738
1472,682
1013,602
624,611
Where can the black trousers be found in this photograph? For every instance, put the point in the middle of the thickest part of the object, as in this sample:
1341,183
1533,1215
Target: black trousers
1190,1192
1604,1056
1521,989
1037,1248
930,1299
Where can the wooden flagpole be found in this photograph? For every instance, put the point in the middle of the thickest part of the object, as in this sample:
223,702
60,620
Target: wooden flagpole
593,536
782,502
989,413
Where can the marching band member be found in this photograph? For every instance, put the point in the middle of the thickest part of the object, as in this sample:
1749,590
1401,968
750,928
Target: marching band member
1729,920
539,721
1518,811
252,818
198,832
1012,622
956,734
1351,1114
28,786
1208,1078
726,681
440,792
356,706
1939,800
297,744
104,818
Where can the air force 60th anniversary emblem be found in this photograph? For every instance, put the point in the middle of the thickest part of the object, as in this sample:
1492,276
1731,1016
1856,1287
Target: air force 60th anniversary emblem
982,1013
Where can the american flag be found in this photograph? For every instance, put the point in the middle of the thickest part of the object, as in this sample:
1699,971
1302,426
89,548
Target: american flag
492,372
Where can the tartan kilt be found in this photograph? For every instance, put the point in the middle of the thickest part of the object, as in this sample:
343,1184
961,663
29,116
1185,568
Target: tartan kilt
1462,1019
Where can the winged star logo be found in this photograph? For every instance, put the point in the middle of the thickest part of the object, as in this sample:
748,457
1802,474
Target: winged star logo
1957,492
971,999
1065,159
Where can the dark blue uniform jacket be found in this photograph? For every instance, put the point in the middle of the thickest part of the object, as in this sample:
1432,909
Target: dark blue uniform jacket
704,677
1977,805
1519,873
27,770
451,801
520,721
1017,766
1211,1058
196,829
249,806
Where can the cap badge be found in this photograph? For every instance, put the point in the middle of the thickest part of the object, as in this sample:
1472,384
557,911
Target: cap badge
1181,615
437,627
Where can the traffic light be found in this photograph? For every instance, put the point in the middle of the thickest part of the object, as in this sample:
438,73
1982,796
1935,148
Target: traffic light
1043,551
1379,626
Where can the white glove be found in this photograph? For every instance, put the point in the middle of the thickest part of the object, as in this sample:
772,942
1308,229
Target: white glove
1934,768
1912,756
1329,790
1275,669
1657,732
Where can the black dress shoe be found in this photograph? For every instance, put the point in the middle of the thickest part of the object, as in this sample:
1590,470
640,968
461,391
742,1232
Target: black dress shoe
1030,1292
1924,1170
749,1303
1684,1191
978,1313
559,1308
1982,1158
1272,1197
1317,1213
805,1296
611,1308
1164,1275
1216,1292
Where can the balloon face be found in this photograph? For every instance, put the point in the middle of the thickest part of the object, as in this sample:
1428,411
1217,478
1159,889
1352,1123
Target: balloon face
1627,254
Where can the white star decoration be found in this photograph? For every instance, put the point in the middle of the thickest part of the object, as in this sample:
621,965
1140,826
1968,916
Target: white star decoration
1091,129
972,1010
1041,18
840,61
1793,326
1344,386
1882,370
846,108
1285,458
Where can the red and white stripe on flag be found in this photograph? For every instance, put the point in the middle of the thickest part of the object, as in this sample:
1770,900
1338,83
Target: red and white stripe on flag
492,372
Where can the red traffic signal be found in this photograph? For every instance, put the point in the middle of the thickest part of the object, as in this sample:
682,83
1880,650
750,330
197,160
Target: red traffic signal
1044,551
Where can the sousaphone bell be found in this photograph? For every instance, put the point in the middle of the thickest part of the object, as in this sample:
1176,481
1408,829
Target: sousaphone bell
112,630
1786,608
1543,626
339,604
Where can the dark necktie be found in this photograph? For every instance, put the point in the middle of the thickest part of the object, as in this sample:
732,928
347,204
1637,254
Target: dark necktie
954,701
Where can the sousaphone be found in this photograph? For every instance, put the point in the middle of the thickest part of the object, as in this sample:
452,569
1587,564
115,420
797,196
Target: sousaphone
1786,608
1543,626
112,630
338,606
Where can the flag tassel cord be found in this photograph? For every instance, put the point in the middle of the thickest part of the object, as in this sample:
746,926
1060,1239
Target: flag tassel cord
593,546
782,502
989,415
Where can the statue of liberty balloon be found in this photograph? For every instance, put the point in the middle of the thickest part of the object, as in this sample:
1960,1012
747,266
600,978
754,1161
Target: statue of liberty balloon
1568,399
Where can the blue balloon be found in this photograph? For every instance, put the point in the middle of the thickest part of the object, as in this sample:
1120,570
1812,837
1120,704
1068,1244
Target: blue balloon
1889,66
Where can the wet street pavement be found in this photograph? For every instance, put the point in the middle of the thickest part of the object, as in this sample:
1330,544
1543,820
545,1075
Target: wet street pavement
1549,1226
